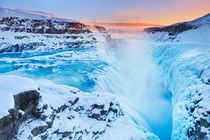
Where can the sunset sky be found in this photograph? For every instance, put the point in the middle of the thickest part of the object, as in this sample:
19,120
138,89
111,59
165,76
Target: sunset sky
161,12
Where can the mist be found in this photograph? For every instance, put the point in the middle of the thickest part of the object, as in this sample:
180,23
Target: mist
137,82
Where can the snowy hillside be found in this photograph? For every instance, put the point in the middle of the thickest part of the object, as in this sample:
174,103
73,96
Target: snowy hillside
182,50
22,31
194,31
43,110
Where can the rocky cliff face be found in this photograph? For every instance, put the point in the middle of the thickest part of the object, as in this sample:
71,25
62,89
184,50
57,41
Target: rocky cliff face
21,34
16,24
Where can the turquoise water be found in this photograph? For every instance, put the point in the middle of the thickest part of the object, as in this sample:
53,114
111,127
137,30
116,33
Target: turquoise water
74,67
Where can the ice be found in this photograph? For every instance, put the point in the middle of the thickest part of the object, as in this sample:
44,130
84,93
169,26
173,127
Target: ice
185,62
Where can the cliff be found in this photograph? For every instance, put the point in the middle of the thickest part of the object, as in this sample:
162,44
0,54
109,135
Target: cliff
23,31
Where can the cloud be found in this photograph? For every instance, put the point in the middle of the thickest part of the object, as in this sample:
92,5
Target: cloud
129,15
127,25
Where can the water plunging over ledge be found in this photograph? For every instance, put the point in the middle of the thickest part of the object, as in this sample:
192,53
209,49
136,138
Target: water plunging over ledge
126,71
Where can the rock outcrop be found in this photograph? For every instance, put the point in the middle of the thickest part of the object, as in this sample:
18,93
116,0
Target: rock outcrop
30,33
24,102
172,29
62,112
16,24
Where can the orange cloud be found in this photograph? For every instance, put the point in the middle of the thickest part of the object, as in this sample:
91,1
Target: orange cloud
126,25
38,13
122,25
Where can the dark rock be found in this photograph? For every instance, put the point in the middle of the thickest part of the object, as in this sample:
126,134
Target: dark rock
39,130
42,26
196,133
66,134
26,101
100,28
44,137
102,115
94,116
74,102
6,127
79,108
98,106
62,108
172,29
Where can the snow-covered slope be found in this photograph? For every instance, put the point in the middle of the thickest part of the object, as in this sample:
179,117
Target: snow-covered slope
183,53
22,31
193,31
43,110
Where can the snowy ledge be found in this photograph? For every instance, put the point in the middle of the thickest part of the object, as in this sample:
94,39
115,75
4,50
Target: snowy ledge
41,109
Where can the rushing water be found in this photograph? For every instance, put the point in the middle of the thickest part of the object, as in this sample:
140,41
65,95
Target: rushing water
126,71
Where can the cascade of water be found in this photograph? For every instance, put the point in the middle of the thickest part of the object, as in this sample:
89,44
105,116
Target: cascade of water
136,80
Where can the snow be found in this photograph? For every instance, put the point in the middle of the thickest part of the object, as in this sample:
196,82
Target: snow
185,62
55,96
11,39
49,41
11,85
198,35
46,42
202,20
122,125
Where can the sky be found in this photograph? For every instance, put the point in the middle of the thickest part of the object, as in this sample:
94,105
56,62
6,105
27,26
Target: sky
162,12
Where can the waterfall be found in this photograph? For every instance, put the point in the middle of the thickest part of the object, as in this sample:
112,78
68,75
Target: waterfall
134,78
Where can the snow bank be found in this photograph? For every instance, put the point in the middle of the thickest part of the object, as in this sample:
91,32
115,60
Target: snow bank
66,112
10,85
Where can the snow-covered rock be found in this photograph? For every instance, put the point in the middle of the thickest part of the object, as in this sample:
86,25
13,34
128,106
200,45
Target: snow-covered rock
44,110
183,53
22,31
193,31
